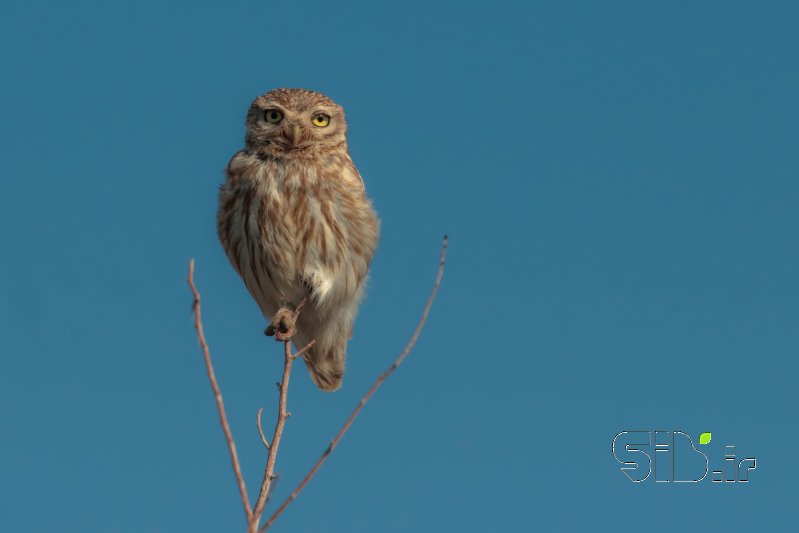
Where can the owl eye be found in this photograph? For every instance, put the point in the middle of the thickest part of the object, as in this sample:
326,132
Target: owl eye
321,120
273,116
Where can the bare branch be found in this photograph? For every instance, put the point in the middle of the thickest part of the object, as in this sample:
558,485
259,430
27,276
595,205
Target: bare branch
299,308
304,349
281,422
234,458
275,480
260,429
363,401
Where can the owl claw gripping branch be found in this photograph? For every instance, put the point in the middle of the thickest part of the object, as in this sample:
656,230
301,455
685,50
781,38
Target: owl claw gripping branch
295,223
283,326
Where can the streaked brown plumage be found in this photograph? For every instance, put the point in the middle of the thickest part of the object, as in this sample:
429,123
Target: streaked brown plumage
295,221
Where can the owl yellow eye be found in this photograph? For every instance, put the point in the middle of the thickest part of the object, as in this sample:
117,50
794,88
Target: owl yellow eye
273,116
321,120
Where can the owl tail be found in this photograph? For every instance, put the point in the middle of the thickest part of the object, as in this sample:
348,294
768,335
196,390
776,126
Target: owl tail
326,366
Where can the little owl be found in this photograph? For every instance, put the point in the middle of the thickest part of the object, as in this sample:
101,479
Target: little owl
296,224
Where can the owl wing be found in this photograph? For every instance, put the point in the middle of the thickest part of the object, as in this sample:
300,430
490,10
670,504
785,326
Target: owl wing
357,174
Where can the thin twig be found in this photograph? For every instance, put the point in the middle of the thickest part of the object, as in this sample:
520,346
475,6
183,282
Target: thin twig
260,429
281,422
304,349
299,308
234,458
368,395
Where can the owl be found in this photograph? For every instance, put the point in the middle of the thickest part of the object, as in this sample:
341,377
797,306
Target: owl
296,224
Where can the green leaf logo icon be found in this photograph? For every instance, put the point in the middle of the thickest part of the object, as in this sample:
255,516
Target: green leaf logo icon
704,438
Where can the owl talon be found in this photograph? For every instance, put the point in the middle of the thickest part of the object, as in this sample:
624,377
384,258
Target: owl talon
282,326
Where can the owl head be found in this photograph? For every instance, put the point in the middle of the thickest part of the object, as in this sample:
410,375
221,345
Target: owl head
295,123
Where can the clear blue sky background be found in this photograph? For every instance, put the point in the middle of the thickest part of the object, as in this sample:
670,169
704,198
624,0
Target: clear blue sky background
619,182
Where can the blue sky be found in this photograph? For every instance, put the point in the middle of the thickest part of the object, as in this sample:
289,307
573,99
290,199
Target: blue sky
619,183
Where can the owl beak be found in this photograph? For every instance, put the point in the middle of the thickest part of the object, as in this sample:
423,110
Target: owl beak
295,134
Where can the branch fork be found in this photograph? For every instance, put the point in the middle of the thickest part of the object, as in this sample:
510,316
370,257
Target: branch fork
283,327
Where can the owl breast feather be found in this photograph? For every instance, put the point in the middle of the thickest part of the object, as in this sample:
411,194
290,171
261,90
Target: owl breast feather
293,228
